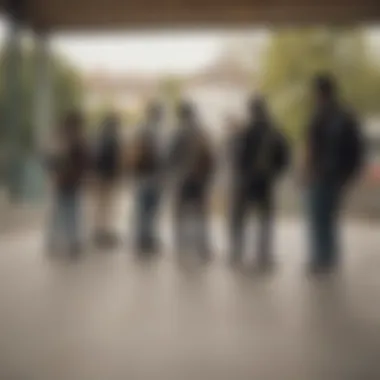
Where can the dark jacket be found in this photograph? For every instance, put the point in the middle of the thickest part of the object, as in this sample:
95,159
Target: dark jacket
191,156
107,157
335,145
71,167
261,154
149,161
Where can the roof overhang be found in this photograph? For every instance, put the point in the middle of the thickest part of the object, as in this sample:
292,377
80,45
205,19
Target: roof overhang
64,15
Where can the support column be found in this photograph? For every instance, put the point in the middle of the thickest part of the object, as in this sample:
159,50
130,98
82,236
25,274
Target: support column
42,123
43,89
13,109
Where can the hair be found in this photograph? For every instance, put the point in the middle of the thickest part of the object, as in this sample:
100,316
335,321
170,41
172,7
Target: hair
73,118
258,108
185,110
73,122
324,84
111,119
154,110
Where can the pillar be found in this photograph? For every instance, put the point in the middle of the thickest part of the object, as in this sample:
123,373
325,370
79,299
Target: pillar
35,180
13,107
43,89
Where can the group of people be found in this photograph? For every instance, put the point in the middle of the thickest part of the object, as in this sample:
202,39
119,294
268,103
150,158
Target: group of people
258,154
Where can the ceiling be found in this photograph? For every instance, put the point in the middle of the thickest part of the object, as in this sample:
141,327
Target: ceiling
122,14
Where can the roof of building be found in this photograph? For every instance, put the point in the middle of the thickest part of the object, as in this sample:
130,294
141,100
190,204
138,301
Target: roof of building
106,14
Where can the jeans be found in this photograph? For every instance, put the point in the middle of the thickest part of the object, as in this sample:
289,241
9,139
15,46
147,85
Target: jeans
65,219
191,205
105,197
323,206
242,203
147,201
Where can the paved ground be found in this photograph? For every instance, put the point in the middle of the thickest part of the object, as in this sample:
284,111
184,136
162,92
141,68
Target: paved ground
110,316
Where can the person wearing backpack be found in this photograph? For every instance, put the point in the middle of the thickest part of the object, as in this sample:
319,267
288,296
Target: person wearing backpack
260,155
334,156
192,161
67,166
107,168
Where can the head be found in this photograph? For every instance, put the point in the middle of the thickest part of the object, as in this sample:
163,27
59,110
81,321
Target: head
258,109
185,112
111,123
324,88
154,112
72,125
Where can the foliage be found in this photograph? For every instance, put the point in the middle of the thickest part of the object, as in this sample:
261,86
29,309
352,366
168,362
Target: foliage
66,93
171,90
294,56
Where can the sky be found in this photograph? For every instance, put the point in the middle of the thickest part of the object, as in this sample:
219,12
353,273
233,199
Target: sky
148,53
160,52
163,53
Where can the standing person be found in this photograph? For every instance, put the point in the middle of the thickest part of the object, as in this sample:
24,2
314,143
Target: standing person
334,152
68,164
192,161
147,167
260,153
107,167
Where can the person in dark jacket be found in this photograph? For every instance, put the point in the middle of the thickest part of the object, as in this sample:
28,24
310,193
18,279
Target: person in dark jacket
192,161
68,165
334,155
107,168
260,154
147,168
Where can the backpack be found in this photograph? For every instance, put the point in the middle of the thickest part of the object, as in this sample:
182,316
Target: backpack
194,157
147,154
272,157
344,148
72,167
107,157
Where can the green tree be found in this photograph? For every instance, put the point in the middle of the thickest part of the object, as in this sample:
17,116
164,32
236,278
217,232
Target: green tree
170,89
67,93
294,56
20,168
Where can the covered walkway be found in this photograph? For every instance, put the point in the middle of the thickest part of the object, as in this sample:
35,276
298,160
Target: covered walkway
44,17
109,316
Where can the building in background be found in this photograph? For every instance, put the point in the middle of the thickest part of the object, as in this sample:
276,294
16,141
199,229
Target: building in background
218,91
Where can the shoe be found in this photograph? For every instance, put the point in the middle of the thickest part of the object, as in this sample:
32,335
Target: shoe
205,254
235,259
75,250
320,268
266,265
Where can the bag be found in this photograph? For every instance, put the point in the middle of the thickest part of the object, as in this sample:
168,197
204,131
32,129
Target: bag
344,148
273,155
73,166
146,160
199,160
107,157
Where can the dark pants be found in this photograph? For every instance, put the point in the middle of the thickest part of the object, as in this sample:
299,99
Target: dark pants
147,202
243,202
323,206
65,223
191,205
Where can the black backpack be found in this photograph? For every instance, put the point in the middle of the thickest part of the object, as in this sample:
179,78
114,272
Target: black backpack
107,157
345,148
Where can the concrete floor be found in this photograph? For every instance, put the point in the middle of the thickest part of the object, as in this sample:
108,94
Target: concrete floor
110,316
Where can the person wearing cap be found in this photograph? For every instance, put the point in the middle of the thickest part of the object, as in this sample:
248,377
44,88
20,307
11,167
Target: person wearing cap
334,155
259,157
